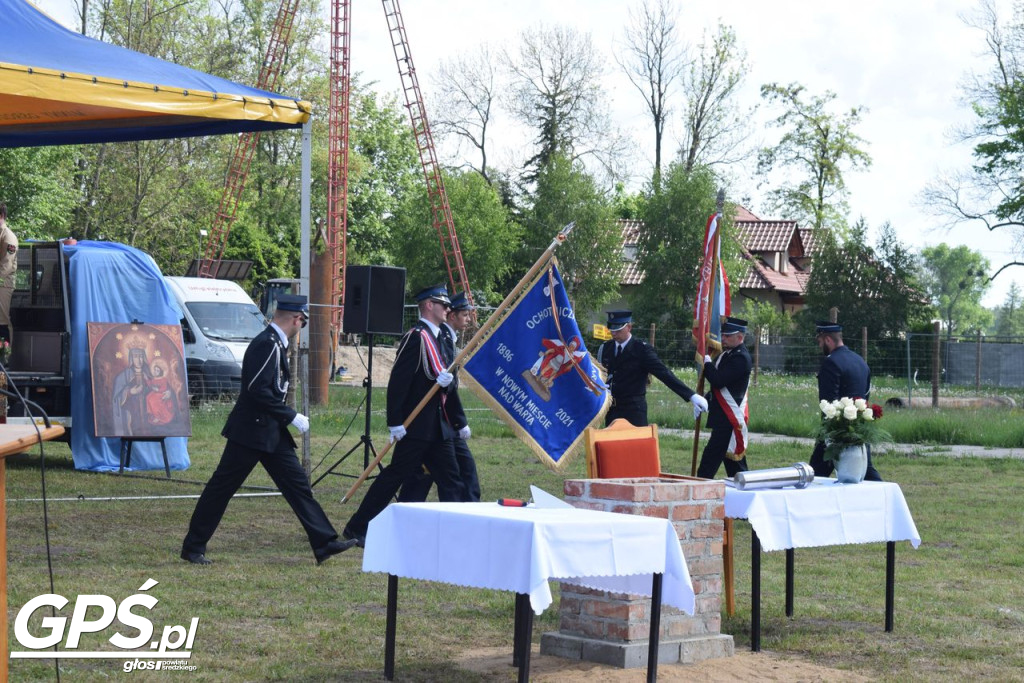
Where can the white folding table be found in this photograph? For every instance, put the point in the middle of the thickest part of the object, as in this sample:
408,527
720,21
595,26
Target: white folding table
486,545
824,513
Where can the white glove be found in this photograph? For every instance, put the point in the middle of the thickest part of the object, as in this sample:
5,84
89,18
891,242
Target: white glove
444,378
707,359
696,412
396,433
465,433
699,404
301,422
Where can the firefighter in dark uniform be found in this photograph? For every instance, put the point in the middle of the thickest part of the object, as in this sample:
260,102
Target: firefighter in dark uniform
629,362
842,373
417,487
419,365
729,376
257,433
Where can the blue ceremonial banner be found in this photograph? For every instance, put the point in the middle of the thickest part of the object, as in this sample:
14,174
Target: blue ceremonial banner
534,371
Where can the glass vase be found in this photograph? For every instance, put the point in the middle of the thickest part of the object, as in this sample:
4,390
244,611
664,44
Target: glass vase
852,464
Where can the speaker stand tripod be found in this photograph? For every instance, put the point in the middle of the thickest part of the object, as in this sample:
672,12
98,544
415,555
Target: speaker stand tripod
364,440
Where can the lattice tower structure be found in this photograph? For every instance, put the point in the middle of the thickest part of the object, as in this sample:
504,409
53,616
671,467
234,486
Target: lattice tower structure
238,167
337,154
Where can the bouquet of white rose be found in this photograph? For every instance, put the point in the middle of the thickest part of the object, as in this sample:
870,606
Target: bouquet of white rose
849,422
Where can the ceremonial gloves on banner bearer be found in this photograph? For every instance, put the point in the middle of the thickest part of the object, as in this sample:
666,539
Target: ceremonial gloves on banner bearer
301,422
700,405
444,378
396,433
707,359
464,433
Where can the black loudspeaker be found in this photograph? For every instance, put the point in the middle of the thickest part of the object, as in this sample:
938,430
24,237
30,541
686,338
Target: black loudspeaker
374,300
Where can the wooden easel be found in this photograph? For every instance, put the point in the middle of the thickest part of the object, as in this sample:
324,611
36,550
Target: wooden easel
126,451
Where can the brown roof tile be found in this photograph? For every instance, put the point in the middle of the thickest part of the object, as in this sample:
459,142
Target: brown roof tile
761,236
631,273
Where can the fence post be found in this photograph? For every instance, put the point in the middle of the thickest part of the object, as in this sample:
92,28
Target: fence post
977,365
936,363
757,354
652,334
864,342
910,376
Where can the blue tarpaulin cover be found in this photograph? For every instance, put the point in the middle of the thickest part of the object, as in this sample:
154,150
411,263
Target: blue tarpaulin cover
58,87
113,283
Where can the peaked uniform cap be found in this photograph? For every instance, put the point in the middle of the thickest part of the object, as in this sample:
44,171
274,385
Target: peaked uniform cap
619,319
296,303
433,293
734,326
825,327
460,302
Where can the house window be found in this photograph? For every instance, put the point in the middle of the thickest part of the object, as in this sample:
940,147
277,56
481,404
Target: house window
629,252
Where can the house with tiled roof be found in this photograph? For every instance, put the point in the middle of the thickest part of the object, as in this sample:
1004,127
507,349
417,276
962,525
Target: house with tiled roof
778,253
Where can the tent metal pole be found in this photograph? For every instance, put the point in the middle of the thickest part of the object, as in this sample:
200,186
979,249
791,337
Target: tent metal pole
304,246
304,211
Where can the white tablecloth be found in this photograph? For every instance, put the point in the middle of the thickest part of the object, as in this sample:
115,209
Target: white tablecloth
485,545
825,513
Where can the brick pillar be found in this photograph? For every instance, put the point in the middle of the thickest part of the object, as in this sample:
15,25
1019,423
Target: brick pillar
613,628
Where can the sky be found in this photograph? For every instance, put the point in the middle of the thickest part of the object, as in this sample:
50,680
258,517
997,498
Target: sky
903,61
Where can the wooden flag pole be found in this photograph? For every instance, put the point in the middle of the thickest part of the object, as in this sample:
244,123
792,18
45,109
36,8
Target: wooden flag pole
719,205
471,345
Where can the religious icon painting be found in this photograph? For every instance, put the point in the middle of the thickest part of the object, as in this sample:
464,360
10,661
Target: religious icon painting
139,387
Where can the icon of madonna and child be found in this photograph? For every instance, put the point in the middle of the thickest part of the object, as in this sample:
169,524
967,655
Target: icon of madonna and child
139,380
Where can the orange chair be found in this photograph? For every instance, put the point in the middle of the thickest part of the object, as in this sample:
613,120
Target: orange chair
622,450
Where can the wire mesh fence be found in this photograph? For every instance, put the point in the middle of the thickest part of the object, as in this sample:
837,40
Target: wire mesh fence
984,363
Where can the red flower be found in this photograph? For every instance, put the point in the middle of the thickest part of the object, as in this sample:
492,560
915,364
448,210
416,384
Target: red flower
876,411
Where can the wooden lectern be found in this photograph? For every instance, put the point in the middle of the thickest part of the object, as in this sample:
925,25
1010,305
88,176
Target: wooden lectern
14,439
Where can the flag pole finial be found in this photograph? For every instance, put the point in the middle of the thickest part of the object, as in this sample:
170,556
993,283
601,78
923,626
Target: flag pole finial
720,201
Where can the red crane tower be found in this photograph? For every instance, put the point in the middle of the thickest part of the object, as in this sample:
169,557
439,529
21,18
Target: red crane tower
238,167
338,145
338,138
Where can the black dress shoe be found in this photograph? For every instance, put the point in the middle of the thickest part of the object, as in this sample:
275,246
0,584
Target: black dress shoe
350,536
332,549
195,558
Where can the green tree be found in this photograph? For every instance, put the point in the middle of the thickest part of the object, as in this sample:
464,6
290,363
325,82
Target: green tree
876,289
955,279
383,171
157,195
819,147
766,320
716,127
991,191
487,237
36,185
628,205
670,249
589,259
1010,316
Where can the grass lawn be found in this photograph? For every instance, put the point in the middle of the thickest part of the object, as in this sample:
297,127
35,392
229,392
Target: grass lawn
268,613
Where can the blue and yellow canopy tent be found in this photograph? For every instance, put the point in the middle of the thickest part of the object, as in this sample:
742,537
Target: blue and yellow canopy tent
58,87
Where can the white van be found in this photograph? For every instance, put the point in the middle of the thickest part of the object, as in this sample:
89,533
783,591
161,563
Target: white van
218,322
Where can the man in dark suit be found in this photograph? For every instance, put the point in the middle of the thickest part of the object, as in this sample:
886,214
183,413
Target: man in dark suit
729,376
629,362
427,440
257,432
417,487
842,373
